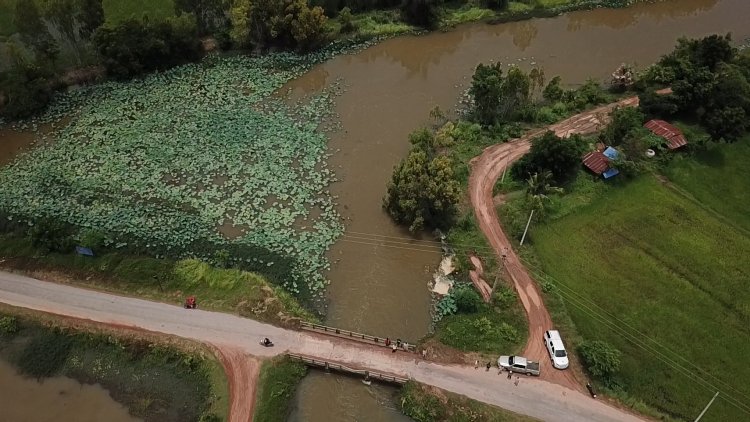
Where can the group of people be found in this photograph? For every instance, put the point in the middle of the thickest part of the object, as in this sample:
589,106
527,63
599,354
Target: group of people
500,370
397,345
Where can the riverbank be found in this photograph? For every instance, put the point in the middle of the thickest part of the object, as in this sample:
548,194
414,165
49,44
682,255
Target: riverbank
157,379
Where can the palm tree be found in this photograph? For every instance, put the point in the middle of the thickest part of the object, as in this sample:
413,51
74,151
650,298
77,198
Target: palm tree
538,189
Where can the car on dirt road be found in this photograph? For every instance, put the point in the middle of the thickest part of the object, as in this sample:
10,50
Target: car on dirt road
557,353
518,364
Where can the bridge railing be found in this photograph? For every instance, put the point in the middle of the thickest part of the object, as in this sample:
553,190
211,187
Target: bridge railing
360,337
335,366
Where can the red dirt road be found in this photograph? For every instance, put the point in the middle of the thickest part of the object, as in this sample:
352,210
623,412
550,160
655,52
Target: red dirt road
242,372
485,170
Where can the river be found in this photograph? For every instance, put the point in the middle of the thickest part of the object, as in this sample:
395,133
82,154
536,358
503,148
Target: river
390,89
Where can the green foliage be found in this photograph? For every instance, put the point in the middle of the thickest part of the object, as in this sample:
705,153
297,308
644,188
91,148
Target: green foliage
45,355
560,157
653,104
209,14
427,404
422,191
499,98
345,18
26,88
52,236
445,306
8,325
134,47
624,122
710,81
601,359
553,92
285,23
28,22
278,381
422,13
467,300
118,11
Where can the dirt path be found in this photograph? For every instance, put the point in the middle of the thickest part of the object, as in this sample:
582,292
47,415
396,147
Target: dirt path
242,372
238,337
485,170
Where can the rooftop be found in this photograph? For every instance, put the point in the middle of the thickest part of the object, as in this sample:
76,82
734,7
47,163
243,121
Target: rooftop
674,137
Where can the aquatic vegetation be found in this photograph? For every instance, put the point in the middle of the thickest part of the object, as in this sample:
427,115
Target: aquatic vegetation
201,154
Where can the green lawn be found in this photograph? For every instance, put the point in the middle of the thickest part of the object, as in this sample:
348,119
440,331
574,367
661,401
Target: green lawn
116,11
656,265
717,179
277,383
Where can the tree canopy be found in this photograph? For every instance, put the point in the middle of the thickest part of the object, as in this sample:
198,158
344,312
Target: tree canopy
423,192
549,153
498,98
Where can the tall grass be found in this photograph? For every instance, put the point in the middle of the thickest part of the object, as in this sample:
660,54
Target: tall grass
278,381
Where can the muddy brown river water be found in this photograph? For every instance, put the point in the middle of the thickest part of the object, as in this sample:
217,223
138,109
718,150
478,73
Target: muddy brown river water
55,399
390,88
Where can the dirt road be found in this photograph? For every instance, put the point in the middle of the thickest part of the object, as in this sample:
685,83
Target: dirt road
485,170
239,336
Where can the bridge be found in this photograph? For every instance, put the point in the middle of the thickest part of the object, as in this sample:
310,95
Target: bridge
533,397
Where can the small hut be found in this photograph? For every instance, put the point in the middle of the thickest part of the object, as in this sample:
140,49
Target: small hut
672,135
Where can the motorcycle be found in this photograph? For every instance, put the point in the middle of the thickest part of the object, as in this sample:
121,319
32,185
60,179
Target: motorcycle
266,343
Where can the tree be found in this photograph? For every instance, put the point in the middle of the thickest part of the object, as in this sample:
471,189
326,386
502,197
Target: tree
346,19
239,15
553,92
422,191
561,157
91,16
727,123
538,188
601,359
624,121
486,88
653,104
209,14
467,300
422,13
29,22
307,24
515,93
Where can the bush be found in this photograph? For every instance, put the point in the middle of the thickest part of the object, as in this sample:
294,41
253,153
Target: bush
52,236
27,91
45,355
422,13
134,47
8,325
345,17
562,158
467,300
601,359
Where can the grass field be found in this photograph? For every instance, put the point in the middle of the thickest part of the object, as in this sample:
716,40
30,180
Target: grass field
642,262
116,11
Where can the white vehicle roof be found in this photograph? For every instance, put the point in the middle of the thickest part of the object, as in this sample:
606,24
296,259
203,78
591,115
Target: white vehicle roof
519,360
557,344
554,335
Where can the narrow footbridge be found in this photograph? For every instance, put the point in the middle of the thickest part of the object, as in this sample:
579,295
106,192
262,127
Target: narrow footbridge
533,397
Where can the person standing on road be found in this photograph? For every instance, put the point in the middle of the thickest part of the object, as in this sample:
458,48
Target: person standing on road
476,364
489,364
510,374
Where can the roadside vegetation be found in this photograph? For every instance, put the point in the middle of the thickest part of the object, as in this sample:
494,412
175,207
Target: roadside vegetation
173,384
428,404
634,266
428,191
278,381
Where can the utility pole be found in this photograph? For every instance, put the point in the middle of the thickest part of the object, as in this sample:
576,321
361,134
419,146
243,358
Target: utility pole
527,227
707,406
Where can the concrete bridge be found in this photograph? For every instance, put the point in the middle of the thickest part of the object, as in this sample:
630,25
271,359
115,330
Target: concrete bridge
533,397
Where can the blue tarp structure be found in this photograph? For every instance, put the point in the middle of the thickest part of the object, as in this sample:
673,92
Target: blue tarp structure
80,250
611,153
610,173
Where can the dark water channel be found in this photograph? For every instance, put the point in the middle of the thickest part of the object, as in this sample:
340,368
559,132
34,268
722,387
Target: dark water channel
390,89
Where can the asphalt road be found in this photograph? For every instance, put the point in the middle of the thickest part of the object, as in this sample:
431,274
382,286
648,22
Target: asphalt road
533,397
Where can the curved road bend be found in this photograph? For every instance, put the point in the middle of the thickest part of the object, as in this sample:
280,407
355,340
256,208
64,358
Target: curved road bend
533,397
485,170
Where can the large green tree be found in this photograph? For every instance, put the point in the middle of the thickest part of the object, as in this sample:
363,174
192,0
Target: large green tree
549,153
486,88
423,192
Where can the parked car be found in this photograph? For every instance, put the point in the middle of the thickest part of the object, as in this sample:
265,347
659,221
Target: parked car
518,364
556,349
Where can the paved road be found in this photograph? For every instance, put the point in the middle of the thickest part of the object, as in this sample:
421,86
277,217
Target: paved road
533,397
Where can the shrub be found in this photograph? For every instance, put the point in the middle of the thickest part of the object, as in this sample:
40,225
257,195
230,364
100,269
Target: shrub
601,359
467,300
45,355
345,17
422,13
8,325
550,153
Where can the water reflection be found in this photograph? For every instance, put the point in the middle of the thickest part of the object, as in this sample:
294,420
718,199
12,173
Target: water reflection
622,18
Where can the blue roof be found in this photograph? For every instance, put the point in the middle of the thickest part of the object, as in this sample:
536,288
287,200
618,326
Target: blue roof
80,250
610,173
611,153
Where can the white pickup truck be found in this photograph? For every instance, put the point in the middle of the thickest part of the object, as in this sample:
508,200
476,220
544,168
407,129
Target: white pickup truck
518,364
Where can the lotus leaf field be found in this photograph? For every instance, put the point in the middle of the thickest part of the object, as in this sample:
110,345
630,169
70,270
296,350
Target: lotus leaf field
201,153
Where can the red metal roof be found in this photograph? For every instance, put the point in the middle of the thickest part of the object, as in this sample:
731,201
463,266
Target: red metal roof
673,136
596,162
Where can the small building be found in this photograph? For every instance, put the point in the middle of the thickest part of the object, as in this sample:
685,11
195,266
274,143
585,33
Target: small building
672,135
598,162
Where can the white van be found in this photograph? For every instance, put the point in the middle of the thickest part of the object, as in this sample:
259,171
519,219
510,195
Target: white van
556,349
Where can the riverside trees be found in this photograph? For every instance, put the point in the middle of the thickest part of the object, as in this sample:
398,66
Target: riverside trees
423,192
